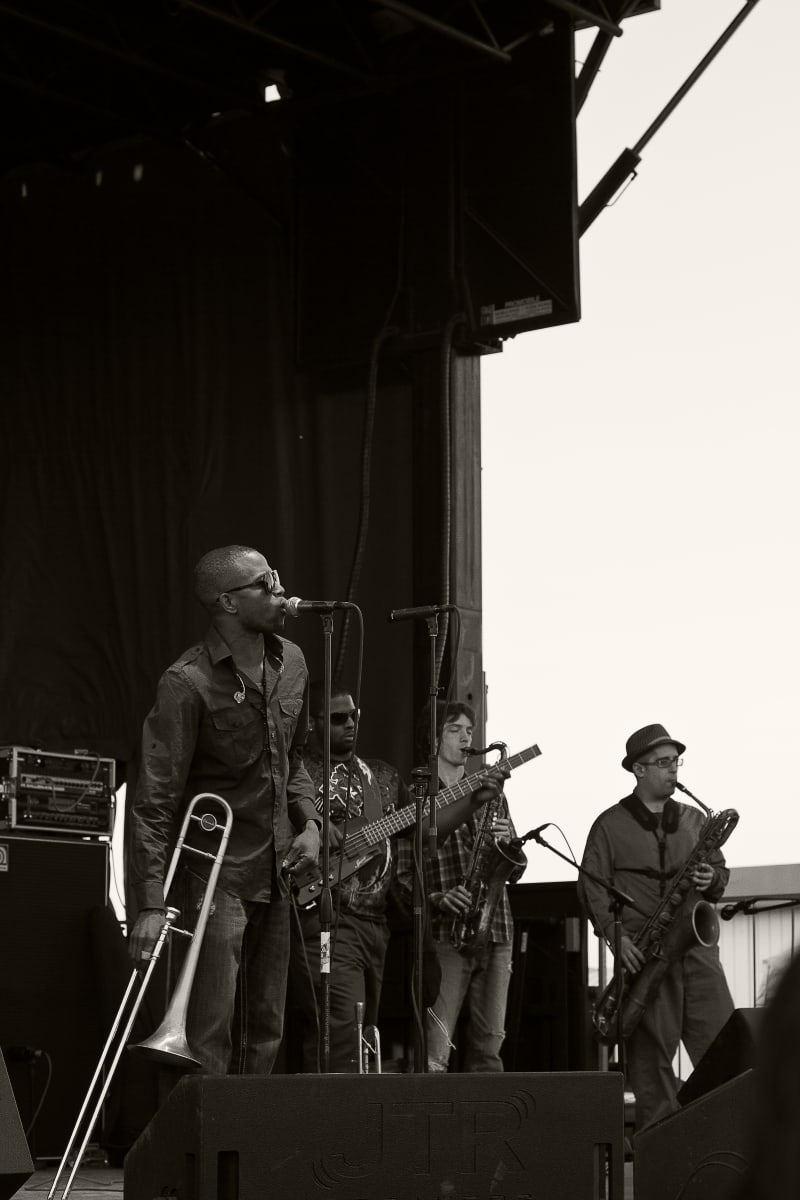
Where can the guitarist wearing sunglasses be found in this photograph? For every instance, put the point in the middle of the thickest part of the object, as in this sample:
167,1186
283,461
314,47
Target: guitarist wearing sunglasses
362,792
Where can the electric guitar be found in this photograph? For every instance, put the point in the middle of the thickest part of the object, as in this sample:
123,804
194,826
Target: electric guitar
365,841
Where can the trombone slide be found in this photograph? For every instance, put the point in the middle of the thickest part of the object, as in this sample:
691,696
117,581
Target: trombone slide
166,1048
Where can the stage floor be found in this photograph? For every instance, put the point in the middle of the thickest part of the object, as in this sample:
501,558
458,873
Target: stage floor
105,1183
93,1182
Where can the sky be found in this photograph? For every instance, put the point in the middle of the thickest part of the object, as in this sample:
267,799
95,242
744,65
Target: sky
640,482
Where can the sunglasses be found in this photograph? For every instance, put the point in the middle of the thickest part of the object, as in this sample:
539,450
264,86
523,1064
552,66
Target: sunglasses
270,581
341,718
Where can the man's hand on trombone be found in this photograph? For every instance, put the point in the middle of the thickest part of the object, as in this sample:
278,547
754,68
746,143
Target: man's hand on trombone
145,934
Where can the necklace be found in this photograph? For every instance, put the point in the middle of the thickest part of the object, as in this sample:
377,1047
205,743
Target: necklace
241,695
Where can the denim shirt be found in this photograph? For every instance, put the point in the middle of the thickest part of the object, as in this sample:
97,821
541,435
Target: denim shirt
199,738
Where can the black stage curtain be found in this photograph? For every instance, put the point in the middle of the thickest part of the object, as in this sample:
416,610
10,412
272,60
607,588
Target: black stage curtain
151,411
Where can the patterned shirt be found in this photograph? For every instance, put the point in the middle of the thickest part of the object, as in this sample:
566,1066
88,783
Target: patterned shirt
364,893
445,871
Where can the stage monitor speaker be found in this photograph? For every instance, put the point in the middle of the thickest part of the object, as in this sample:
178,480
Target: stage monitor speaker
409,1137
732,1052
15,1159
700,1152
49,1007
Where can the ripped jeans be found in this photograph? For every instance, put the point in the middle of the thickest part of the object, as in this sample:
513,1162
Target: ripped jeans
483,981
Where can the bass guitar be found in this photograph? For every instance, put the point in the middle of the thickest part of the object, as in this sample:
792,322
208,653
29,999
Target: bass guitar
365,841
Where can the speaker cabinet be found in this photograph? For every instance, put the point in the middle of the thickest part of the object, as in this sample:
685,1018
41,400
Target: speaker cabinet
732,1052
547,1016
702,1151
408,1137
15,1159
428,200
49,1009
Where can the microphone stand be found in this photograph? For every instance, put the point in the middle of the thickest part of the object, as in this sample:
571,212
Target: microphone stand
750,909
325,895
420,900
326,610
619,900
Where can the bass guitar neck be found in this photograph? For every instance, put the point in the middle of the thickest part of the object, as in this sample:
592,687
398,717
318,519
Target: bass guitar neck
364,841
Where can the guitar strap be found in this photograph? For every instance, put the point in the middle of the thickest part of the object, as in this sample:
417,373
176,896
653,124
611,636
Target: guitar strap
373,803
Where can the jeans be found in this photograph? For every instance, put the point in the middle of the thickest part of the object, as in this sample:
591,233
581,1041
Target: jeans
483,980
356,975
234,1022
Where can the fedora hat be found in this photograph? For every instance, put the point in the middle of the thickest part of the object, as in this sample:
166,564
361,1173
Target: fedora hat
647,739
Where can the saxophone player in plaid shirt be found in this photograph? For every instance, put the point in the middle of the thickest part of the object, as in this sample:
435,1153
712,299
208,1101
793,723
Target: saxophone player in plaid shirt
481,977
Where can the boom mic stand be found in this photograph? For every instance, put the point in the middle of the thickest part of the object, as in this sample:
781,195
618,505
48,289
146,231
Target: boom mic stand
619,900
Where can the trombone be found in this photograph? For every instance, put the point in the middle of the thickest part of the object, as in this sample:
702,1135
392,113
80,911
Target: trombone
168,1044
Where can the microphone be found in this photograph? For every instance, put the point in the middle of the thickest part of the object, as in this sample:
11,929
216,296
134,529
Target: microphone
531,835
427,610
294,606
730,910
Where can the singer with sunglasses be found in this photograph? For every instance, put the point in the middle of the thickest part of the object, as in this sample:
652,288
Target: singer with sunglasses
640,845
229,718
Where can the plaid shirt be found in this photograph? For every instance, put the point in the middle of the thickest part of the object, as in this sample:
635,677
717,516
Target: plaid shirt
449,868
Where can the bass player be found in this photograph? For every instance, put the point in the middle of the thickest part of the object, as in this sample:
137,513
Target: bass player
362,791
640,845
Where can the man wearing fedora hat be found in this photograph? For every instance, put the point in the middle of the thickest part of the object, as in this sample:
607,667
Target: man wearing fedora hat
640,845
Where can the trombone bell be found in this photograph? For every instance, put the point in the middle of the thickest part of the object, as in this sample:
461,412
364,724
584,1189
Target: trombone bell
169,1047
168,1044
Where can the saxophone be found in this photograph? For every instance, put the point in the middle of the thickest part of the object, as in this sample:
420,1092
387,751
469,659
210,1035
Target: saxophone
491,863
682,920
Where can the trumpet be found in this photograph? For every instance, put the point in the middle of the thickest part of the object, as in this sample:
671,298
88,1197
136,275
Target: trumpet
365,1047
168,1043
